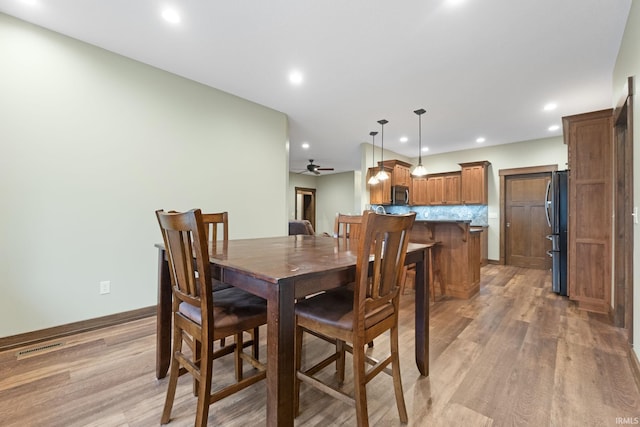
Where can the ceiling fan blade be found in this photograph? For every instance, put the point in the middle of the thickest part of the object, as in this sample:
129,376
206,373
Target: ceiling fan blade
324,169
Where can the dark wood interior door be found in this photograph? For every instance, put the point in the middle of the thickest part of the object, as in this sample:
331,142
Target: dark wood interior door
526,225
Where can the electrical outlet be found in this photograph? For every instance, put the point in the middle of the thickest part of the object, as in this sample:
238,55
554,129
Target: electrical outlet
105,287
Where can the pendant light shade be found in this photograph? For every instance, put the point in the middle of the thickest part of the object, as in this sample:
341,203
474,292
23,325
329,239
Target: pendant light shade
373,180
382,175
419,170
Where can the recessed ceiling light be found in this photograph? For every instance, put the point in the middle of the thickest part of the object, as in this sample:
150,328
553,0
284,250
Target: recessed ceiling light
480,140
305,145
425,149
550,106
171,16
553,128
295,77
29,2
404,139
455,2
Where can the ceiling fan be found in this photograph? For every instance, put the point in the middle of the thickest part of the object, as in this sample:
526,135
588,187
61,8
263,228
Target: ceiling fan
315,168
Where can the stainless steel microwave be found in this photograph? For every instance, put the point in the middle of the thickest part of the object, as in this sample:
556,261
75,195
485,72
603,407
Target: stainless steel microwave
399,195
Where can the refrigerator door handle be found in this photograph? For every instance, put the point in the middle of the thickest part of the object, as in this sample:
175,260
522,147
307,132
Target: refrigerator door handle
547,203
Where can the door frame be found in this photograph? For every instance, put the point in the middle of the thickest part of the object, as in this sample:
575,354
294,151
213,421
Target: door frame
623,206
503,174
304,191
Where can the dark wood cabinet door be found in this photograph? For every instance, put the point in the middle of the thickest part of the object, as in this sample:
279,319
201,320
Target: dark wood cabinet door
419,192
435,190
473,185
451,189
380,193
590,140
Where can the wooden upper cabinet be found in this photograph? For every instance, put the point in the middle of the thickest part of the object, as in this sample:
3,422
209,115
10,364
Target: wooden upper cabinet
443,188
380,193
400,172
451,189
590,140
435,190
473,186
419,195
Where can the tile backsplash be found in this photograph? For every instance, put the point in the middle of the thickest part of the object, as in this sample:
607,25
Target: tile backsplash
478,214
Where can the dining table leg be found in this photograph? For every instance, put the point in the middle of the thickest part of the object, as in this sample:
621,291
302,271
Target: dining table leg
163,319
280,358
422,314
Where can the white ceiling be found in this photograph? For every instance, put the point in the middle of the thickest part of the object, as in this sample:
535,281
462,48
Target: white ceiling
481,68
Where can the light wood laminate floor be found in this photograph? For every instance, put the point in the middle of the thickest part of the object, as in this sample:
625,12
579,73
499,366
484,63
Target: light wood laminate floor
514,355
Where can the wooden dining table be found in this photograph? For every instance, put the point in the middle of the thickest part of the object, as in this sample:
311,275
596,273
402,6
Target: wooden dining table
281,270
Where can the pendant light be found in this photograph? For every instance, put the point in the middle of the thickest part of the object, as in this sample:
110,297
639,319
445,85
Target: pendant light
382,175
419,170
373,180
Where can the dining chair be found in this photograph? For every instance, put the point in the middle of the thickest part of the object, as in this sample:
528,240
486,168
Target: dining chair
201,316
433,254
346,226
350,318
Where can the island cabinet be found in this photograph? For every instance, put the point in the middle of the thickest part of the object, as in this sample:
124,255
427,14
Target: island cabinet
484,243
590,140
457,257
444,188
380,193
419,194
473,185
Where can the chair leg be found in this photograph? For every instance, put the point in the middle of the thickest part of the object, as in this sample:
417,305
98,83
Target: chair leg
237,352
340,361
256,343
397,379
298,366
204,393
173,378
403,279
360,386
197,348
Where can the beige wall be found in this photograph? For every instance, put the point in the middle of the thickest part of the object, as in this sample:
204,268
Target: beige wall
92,143
628,64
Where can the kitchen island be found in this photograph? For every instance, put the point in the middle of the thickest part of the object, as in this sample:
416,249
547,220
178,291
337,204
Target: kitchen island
457,257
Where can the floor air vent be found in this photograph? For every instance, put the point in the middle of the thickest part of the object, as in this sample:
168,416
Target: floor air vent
37,350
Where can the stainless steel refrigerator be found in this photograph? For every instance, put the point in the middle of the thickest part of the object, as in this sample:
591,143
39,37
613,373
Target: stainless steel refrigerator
557,210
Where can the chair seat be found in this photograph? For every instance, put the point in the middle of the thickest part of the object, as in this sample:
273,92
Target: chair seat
335,308
233,309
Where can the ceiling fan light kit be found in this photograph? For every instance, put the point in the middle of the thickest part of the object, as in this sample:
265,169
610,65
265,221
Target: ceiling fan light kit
419,170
